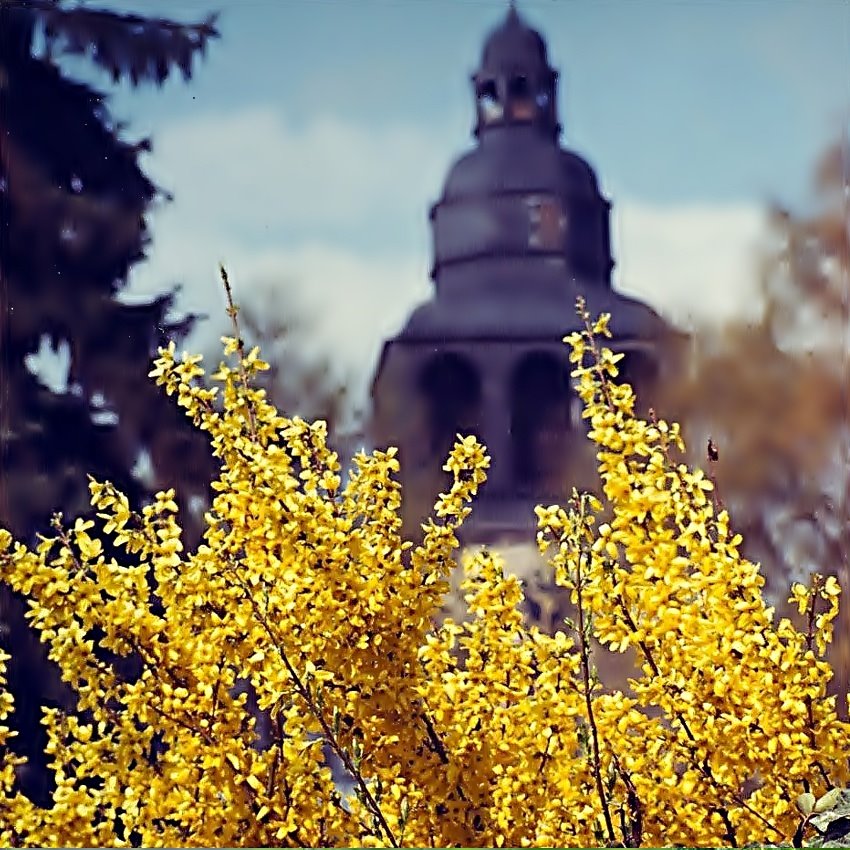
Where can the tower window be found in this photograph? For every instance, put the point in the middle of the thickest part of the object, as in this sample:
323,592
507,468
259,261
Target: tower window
488,102
519,93
518,87
547,223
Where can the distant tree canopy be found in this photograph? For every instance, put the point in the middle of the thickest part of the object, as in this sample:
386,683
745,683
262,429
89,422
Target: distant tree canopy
774,396
73,207
295,382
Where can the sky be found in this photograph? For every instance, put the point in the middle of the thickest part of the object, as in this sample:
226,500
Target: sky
316,133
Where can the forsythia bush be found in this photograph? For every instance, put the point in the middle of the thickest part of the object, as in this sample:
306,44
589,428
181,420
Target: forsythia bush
487,732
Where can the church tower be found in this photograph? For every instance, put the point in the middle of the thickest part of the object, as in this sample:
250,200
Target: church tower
520,230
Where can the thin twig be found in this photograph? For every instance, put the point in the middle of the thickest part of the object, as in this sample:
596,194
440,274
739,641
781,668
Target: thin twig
585,674
233,312
327,731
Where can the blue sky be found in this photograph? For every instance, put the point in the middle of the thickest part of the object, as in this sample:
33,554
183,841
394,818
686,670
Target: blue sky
675,100
314,136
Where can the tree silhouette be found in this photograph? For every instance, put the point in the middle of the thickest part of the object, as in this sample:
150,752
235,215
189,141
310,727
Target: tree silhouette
73,206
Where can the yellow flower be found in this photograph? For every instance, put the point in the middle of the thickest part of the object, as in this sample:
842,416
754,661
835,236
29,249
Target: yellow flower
480,732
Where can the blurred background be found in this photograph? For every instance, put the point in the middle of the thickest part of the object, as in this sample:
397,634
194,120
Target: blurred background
308,148
301,142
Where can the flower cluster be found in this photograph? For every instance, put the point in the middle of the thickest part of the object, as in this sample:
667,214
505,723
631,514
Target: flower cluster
486,732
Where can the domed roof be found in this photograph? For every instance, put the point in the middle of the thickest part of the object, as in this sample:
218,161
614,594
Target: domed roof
514,45
548,318
579,175
519,161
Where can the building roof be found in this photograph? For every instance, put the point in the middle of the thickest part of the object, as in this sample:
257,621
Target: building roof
514,46
518,159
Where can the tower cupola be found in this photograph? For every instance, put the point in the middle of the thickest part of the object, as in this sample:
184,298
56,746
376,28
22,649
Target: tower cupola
515,84
519,207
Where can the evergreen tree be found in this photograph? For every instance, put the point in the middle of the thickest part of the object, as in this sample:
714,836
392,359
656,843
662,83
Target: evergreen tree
73,208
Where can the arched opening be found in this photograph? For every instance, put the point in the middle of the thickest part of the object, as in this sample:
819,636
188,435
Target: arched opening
541,397
490,109
452,390
520,98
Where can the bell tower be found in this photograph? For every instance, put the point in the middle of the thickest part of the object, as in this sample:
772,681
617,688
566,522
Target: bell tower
519,231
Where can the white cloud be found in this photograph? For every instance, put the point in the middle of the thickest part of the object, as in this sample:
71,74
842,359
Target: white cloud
692,262
259,172
335,215
332,213
352,301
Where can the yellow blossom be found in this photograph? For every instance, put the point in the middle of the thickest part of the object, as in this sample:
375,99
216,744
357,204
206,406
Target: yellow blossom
481,732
